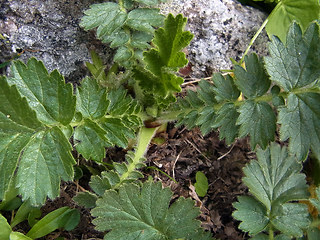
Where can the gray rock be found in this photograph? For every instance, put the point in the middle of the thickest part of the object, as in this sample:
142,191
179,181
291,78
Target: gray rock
222,30
49,30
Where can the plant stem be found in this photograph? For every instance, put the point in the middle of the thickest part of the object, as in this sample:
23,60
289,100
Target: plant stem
144,139
253,39
271,236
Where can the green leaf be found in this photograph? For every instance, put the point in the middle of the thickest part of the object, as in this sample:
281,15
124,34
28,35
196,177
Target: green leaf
18,236
258,120
47,94
296,64
144,213
287,11
22,213
86,199
145,19
91,99
274,180
316,201
201,184
106,17
158,77
226,120
46,159
295,67
252,82
253,213
40,156
224,88
109,119
150,2
5,228
59,218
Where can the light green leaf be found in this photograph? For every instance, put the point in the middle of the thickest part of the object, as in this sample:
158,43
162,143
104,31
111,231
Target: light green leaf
5,228
201,184
258,120
91,99
40,156
59,218
18,236
287,11
296,64
47,94
274,180
316,201
163,61
254,81
46,159
123,54
117,38
91,140
106,17
144,213
145,19
141,40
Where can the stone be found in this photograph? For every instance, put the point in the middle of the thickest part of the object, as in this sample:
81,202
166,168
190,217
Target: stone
49,30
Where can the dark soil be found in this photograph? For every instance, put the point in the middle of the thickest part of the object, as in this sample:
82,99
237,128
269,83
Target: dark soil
182,154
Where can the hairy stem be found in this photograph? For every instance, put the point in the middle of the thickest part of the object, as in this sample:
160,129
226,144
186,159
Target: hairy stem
144,139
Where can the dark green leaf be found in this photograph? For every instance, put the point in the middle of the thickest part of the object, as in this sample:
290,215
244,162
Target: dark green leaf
143,213
86,199
252,81
258,120
226,120
225,88
252,213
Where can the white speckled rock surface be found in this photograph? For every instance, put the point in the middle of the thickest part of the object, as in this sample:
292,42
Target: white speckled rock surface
222,29
49,29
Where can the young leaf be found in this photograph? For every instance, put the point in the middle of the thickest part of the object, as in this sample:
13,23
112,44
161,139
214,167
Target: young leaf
144,213
164,59
274,180
296,68
47,94
287,11
201,184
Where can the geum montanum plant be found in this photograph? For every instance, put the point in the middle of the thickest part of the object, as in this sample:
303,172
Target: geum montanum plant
39,114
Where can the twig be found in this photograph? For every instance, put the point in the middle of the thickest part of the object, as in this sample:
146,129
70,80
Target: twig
224,155
174,165
195,147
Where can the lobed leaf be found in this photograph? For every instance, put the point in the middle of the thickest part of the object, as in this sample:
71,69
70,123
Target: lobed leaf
106,17
144,213
274,180
163,60
47,94
295,67
254,81
257,119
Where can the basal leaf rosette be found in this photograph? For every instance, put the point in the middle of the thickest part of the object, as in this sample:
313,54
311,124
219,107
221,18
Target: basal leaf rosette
295,67
136,212
276,184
